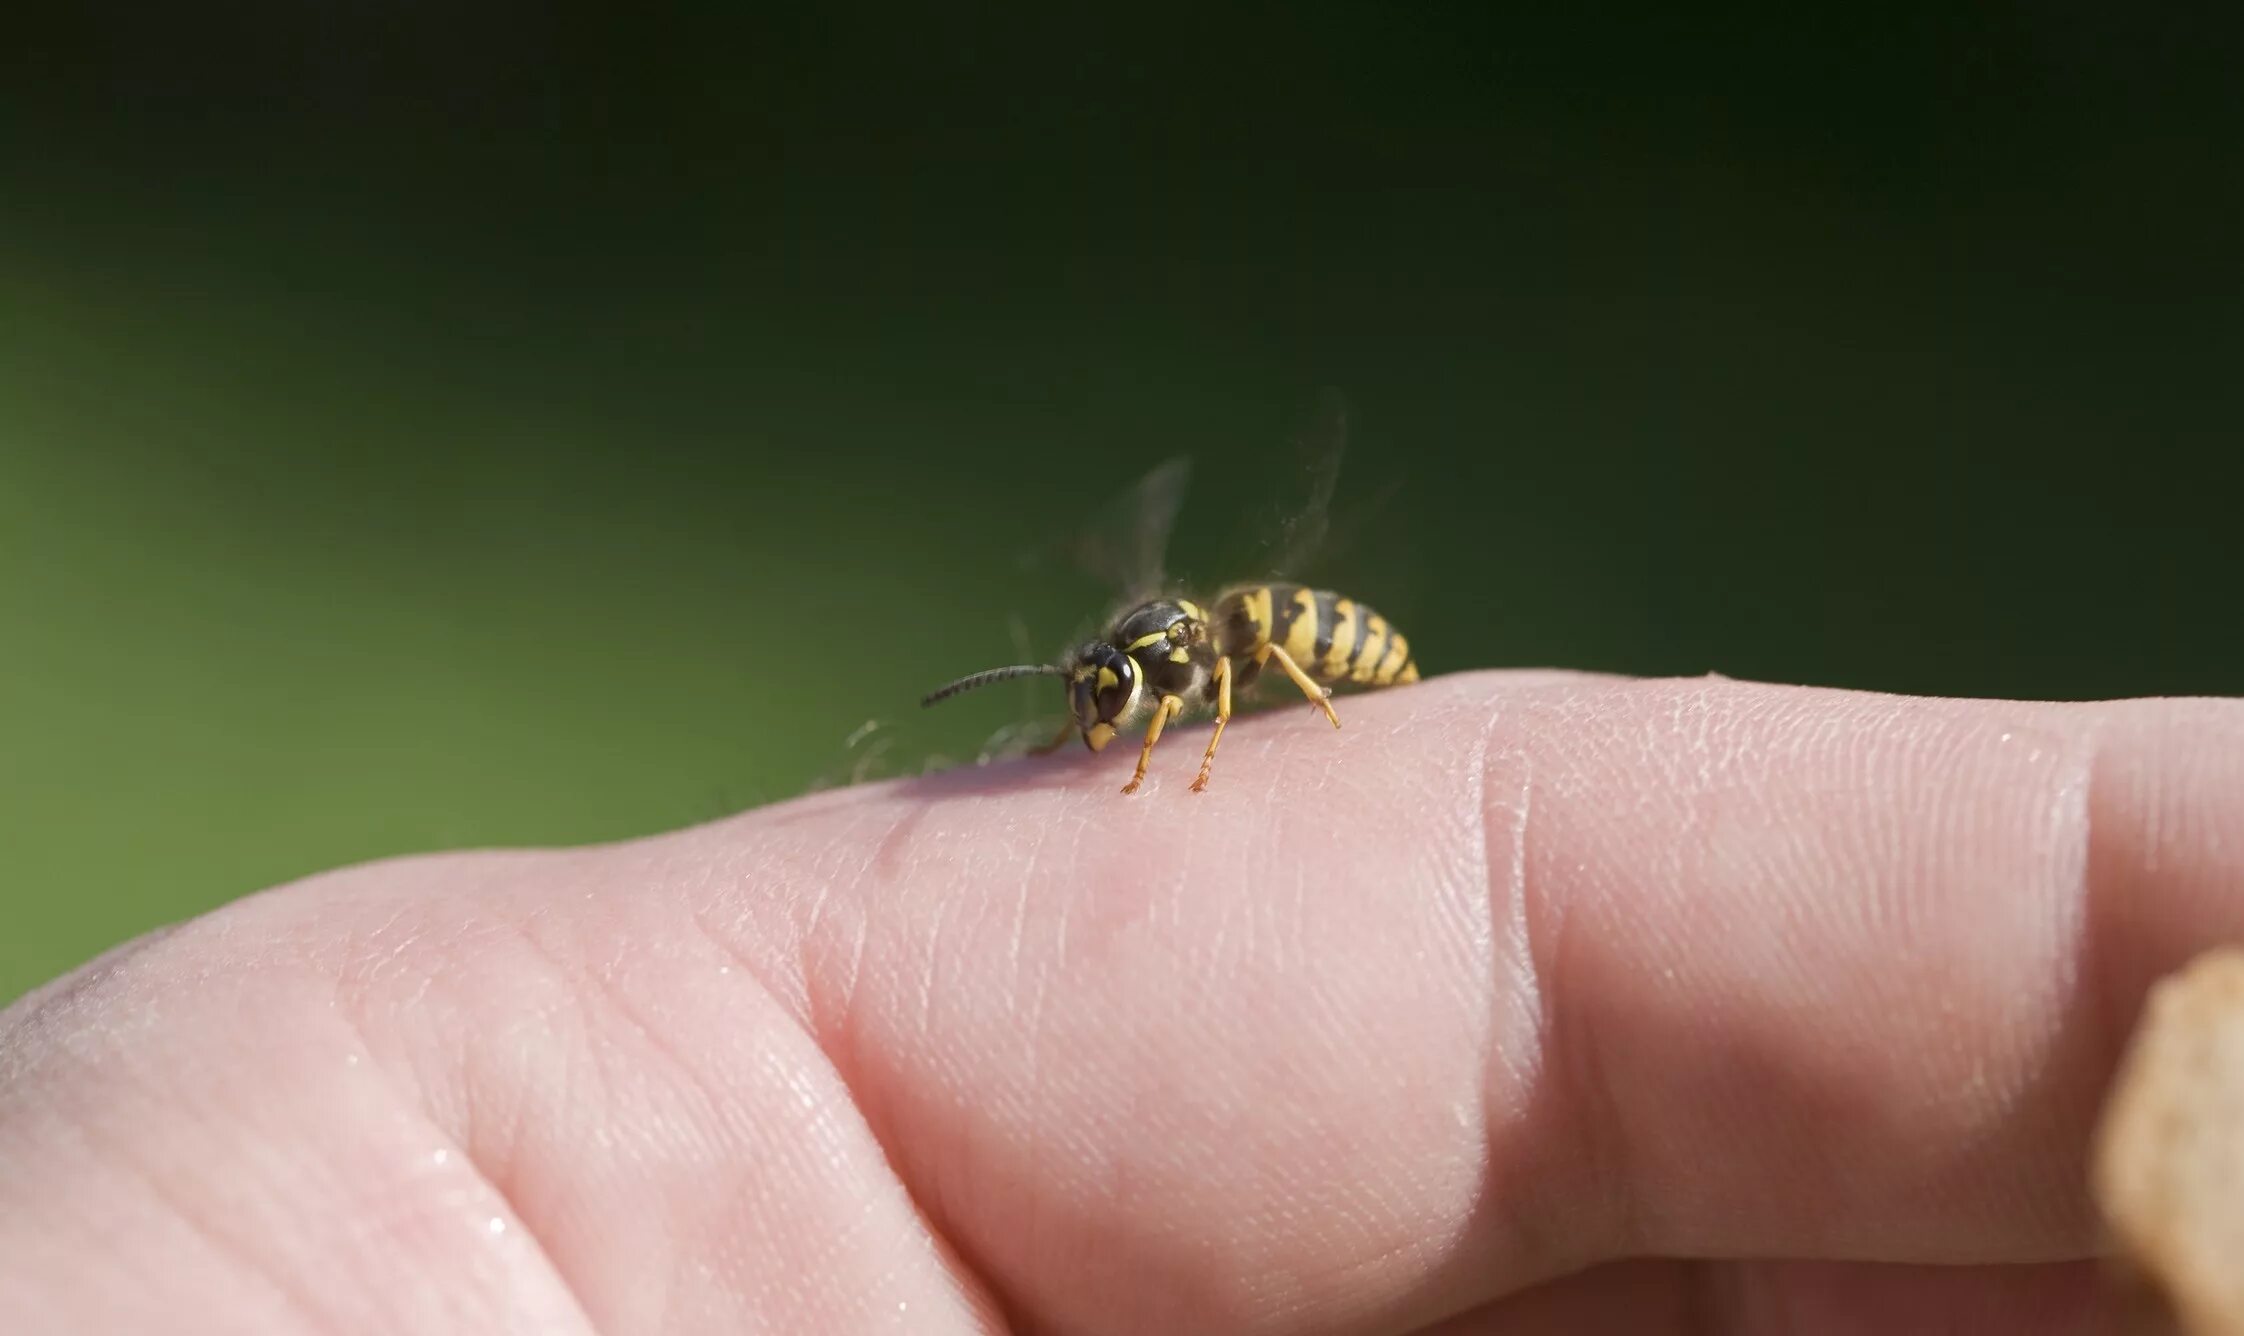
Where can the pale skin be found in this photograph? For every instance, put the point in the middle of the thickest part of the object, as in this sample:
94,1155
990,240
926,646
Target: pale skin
1525,1003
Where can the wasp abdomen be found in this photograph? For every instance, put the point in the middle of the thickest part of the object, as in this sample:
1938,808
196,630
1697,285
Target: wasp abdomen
1335,639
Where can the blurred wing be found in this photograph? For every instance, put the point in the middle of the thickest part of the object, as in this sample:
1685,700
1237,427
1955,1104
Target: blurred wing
1317,526
1318,449
1125,544
1304,534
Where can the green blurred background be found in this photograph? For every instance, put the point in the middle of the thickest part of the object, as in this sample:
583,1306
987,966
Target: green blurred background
427,426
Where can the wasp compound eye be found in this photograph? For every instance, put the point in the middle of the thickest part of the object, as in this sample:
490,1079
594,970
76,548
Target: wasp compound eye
1116,682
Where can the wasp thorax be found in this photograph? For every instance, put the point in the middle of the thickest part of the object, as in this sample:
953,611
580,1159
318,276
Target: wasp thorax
1102,686
1169,624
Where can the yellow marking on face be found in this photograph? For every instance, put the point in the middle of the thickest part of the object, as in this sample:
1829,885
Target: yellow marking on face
1149,638
1098,735
1301,637
1192,610
1107,678
1374,633
1343,639
1180,656
1398,653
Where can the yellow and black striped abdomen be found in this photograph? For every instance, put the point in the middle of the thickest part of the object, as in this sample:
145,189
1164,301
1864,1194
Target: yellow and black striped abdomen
1335,639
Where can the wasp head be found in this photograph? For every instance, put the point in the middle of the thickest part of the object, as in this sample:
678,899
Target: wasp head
1102,686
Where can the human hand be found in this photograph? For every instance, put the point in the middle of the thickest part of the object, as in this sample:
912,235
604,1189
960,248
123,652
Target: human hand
1525,1003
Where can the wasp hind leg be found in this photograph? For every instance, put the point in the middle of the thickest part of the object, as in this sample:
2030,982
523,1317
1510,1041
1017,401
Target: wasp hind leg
1223,716
1317,695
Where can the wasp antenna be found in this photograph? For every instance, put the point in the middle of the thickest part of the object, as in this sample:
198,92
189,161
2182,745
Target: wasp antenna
987,676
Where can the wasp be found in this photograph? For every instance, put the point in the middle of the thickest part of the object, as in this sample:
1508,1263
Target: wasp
1165,655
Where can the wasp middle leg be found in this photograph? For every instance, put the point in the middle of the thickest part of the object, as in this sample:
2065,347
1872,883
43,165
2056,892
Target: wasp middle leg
1223,716
1167,710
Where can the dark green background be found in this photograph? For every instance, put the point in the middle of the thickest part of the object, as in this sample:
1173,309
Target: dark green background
427,426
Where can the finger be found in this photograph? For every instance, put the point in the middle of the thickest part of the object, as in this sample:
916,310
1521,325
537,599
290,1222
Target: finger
1500,981
1494,982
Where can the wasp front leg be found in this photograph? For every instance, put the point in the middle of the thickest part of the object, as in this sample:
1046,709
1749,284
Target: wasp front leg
1223,716
1166,711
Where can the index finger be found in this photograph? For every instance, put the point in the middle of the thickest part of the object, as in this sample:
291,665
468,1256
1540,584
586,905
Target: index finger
1502,980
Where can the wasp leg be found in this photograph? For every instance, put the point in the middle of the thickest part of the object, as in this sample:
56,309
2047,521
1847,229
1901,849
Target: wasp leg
1223,716
1161,717
1067,730
1317,695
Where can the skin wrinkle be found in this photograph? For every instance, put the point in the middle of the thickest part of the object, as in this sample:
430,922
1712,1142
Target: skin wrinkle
1569,1070
492,1140
1028,881
2067,1044
712,1106
1039,992
756,898
2154,832
831,1017
1297,907
347,1000
1521,970
2121,945
1060,960
2067,1038
2137,952
1603,1135
1037,1073
2077,1018
2096,980
1560,953
2062,1046
1170,901
1481,969
928,957
541,1261
1517,915
496,1156
963,1298
289,1291
502,1170
333,984
824,890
